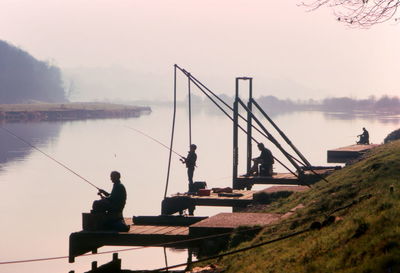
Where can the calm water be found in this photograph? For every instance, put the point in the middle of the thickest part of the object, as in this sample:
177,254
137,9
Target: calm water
42,202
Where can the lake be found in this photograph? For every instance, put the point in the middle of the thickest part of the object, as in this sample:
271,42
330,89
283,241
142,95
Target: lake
42,202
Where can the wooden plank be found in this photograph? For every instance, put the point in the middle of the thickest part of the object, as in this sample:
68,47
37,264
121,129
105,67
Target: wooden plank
166,220
153,230
139,229
86,241
165,230
225,222
280,178
234,220
172,230
179,231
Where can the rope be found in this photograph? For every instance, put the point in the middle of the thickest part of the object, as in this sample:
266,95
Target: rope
314,226
172,137
47,155
201,86
190,113
165,258
235,251
354,202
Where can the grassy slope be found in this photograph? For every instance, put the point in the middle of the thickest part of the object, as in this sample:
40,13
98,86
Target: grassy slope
364,238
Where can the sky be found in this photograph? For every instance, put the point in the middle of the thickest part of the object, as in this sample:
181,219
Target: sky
126,49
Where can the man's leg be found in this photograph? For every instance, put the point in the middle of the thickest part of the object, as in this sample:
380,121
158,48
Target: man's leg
190,173
254,168
101,205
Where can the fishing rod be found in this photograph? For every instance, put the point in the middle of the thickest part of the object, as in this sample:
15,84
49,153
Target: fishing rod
155,140
52,158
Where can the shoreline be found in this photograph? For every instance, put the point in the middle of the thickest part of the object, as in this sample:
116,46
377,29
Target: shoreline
68,111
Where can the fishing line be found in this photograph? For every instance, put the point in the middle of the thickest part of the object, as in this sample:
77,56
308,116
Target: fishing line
284,222
155,140
52,158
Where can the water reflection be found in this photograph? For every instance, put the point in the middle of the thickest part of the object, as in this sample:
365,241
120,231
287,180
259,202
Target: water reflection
211,109
115,265
370,117
36,133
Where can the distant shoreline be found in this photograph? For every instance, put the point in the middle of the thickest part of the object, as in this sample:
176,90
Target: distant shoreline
68,111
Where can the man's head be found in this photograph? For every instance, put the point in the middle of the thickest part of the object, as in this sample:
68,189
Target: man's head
115,176
193,147
260,146
363,128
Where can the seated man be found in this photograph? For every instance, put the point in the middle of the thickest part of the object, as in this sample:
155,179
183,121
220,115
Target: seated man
364,137
114,202
265,161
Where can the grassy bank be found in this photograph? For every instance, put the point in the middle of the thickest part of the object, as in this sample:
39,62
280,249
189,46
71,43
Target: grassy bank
364,199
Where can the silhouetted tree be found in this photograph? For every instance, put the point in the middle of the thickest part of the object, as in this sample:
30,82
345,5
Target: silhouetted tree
23,78
360,13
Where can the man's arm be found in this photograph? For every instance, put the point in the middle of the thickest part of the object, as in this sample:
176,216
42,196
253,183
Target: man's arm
103,193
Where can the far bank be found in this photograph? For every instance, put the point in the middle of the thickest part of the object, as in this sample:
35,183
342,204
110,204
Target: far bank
68,111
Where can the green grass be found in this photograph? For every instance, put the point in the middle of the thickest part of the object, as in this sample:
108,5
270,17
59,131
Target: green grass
364,238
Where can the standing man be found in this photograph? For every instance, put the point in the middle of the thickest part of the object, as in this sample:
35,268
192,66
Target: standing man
190,162
113,202
265,160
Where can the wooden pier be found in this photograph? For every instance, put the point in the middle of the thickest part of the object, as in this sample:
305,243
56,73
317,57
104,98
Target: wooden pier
345,154
237,199
179,231
168,231
307,178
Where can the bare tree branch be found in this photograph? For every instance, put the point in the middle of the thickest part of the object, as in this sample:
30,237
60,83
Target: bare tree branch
358,13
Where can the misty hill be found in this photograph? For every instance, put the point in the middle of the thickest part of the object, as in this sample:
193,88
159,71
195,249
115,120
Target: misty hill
24,79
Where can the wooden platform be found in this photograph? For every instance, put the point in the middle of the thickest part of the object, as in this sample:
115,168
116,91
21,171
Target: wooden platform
168,233
226,222
344,154
179,202
277,179
225,201
307,178
173,235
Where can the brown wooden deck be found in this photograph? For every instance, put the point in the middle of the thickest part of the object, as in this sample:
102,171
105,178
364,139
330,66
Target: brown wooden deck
309,177
138,235
344,154
275,179
180,202
224,201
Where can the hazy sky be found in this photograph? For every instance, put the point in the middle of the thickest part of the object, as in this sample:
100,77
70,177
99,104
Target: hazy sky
290,52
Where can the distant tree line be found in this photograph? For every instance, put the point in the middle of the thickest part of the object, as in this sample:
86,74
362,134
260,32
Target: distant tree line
272,104
385,104
25,79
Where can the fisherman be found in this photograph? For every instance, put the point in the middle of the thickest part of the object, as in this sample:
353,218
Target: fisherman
190,162
264,161
113,202
364,137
